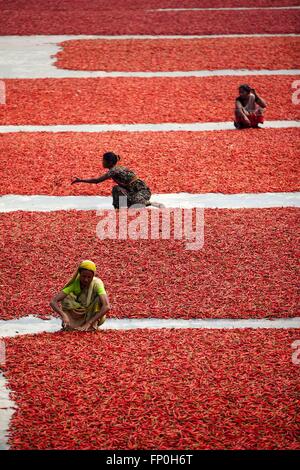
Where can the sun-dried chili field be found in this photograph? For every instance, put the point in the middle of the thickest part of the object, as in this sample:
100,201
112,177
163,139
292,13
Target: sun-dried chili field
153,388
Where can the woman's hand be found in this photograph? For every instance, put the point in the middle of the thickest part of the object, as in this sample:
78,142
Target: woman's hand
76,180
86,327
66,321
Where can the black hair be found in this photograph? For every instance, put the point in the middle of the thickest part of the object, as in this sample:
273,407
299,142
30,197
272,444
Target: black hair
245,87
111,158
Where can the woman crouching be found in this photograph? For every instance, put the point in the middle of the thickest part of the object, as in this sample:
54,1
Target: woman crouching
249,108
84,302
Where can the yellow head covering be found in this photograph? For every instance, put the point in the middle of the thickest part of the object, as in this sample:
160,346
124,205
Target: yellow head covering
86,264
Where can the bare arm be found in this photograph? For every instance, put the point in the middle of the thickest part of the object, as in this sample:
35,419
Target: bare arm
56,307
261,102
238,105
104,307
92,180
241,111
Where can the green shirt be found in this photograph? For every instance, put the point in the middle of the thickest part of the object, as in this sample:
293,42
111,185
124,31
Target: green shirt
98,289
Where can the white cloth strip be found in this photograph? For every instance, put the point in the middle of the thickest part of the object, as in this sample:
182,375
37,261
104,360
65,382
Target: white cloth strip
58,38
36,203
228,8
33,325
157,127
29,72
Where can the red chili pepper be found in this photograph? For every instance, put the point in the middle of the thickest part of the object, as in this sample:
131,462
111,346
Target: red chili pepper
179,54
247,267
174,389
140,100
266,163
35,19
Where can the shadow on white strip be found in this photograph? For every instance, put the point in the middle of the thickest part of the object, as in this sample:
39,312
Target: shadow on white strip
12,203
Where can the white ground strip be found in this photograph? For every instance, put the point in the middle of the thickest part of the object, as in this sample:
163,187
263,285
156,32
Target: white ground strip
228,8
33,325
32,57
161,127
42,72
36,203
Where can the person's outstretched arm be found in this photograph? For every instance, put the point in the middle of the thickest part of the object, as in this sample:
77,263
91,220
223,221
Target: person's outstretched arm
91,180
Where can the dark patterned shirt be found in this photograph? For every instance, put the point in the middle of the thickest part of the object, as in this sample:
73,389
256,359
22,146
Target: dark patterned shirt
121,175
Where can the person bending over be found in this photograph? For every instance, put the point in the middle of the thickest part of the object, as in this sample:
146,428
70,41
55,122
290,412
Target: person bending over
127,183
